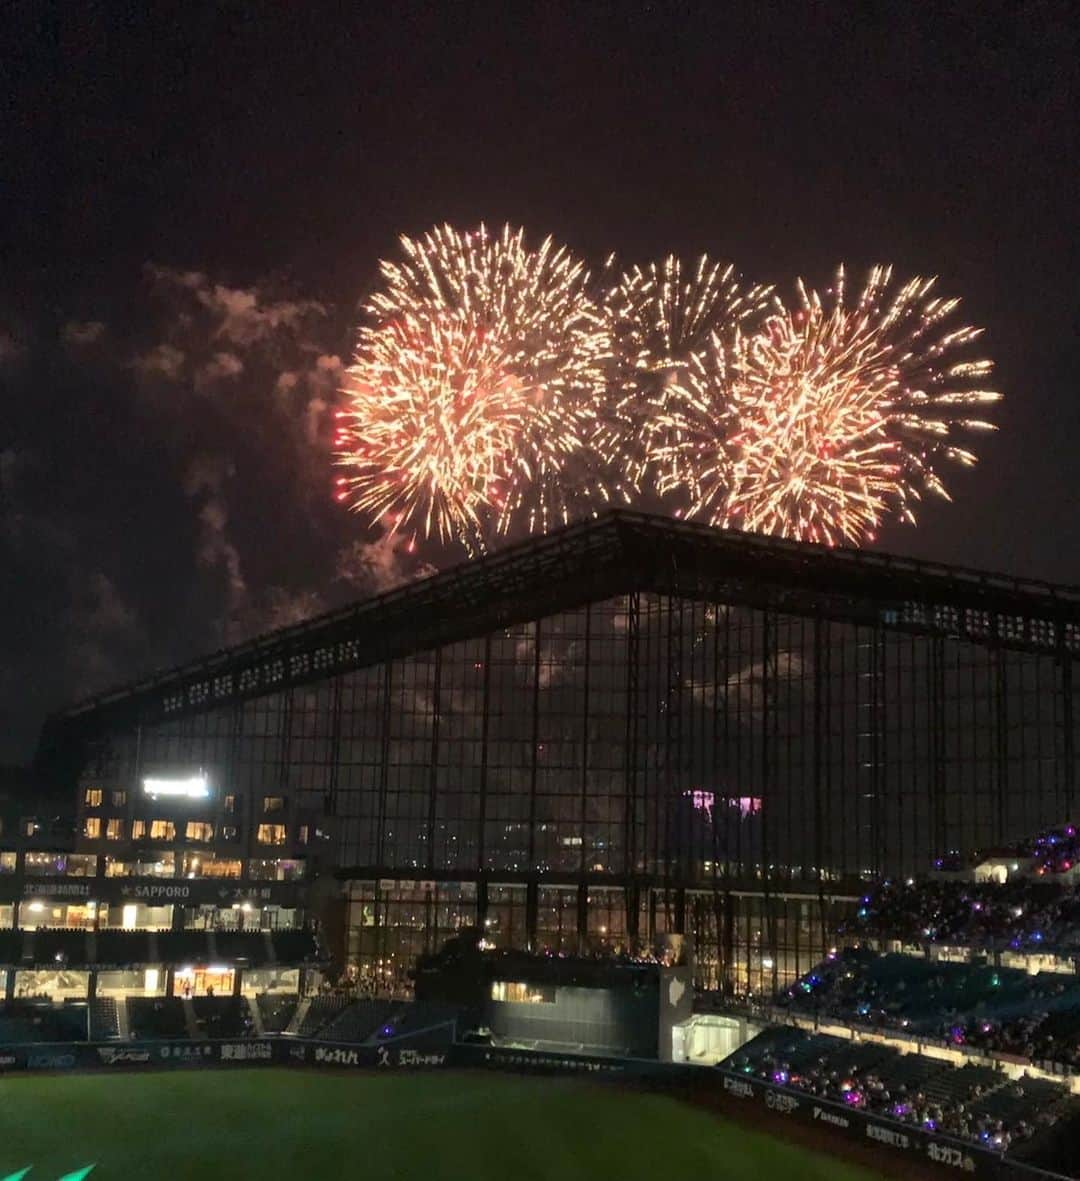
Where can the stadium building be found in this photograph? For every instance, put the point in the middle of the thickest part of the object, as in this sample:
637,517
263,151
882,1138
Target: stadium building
627,728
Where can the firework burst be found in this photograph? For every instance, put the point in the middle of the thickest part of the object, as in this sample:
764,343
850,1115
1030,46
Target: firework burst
830,417
432,417
665,322
493,391
662,317
474,383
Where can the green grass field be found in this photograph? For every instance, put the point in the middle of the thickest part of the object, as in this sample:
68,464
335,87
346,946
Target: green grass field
268,1124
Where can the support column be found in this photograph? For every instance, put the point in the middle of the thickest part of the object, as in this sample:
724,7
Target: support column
937,747
482,904
481,852
535,740
433,779
1069,752
384,766
1001,743
583,860
680,910
532,906
334,760
820,720
630,751
582,916
632,902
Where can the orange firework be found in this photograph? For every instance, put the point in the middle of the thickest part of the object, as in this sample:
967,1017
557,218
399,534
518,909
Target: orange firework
432,418
829,418
472,388
663,320
492,391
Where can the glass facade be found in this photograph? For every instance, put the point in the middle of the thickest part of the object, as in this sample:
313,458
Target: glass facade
641,764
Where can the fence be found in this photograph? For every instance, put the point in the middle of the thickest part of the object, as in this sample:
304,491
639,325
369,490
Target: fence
435,1049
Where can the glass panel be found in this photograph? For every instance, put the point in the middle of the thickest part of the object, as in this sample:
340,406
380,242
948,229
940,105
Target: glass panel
37,912
268,981
206,865
262,870
76,865
132,982
56,985
150,865
135,916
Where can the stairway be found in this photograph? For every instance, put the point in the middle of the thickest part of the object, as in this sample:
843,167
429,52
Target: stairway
122,1023
298,1017
190,1021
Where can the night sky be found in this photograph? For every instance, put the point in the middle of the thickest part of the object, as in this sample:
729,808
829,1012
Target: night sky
196,197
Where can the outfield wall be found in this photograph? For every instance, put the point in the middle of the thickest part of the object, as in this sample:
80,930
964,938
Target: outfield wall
435,1049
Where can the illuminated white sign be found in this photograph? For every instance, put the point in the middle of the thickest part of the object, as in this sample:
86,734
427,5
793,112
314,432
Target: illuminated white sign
194,788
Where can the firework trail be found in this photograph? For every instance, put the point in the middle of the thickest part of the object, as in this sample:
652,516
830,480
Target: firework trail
830,417
473,389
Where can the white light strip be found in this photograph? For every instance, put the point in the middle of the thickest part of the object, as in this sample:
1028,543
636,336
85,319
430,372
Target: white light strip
195,788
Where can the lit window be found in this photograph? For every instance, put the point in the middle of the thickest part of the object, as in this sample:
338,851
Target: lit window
92,828
114,830
303,834
273,803
521,993
195,865
229,832
138,829
230,804
30,827
162,830
271,834
260,869
163,865
7,862
119,799
48,865
199,830
93,797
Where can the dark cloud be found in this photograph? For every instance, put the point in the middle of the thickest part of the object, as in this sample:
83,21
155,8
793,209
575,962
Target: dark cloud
103,631
161,361
79,333
12,349
212,413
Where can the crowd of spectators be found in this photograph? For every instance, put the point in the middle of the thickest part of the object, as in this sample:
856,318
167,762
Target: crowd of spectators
1048,1034
1000,1010
1028,915
859,986
970,1102
1035,910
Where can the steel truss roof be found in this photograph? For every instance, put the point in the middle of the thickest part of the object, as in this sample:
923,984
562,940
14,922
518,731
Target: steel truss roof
615,554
